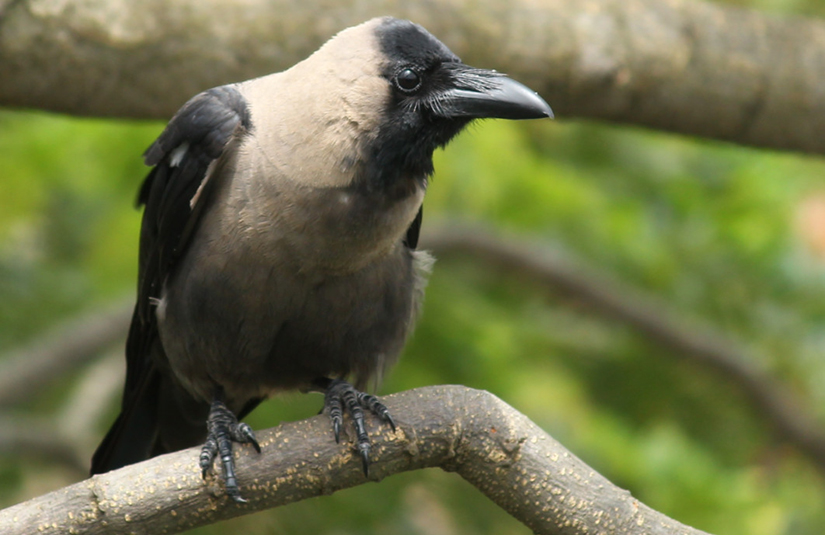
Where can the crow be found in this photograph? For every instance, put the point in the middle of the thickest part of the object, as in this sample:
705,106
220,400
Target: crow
278,240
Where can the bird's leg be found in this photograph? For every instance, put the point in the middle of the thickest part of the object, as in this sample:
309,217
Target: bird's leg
223,428
341,396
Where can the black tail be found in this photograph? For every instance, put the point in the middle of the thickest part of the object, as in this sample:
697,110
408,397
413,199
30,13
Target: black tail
159,418
132,437
158,415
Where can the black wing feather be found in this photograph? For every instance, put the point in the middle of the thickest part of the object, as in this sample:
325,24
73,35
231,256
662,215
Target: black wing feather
204,124
196,136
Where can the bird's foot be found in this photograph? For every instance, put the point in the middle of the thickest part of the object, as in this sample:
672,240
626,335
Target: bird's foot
341,396
223,429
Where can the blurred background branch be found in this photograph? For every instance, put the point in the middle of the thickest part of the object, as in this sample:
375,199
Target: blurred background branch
27,436
679,338
25,371
684,66
67,436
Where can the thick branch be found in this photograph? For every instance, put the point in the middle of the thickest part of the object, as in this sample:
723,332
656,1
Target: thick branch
471,432
681,65
790,419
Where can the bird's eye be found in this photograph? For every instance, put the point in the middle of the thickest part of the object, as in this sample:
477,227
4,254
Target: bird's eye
407,81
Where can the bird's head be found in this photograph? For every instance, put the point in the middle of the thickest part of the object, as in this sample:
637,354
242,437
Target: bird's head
433,96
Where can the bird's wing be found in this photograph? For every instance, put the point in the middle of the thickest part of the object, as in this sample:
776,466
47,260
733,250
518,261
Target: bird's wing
174,195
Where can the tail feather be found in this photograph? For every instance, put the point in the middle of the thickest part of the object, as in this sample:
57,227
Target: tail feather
159,418
132,437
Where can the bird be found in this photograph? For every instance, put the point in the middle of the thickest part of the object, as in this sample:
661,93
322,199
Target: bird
278,242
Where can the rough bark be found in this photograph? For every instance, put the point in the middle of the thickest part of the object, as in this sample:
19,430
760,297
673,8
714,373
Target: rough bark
680,65
471,432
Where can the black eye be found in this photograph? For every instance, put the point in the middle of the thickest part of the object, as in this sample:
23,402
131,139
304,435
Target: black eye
407,81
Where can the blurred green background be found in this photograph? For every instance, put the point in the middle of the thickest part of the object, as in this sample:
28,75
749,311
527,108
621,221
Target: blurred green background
725,236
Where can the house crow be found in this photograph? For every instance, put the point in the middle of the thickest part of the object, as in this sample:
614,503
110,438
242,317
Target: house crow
278,242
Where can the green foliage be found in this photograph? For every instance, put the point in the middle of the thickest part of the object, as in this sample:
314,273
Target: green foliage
68,232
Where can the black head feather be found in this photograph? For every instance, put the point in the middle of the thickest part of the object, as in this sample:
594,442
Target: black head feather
412,128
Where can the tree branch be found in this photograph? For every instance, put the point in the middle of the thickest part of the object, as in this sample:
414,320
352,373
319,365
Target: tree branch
790,419
685,66
471,432
69,436
92,395
64,348
37,437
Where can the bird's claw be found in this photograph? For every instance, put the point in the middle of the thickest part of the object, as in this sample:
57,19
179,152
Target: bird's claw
341,395
376,407
336,428
245,435
224,429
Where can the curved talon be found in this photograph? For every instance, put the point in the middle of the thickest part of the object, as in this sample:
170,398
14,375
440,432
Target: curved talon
208,453
341,395
332,403
376,407
236,496
336,428
223,429
390,421
245,435
365,458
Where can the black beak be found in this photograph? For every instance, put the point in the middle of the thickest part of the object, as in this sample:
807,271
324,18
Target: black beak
482,94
